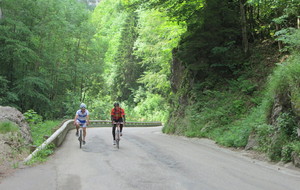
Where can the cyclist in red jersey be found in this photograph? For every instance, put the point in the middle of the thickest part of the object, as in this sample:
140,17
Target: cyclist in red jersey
117,115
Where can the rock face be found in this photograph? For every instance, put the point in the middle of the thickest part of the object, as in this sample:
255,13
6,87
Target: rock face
296,159
15,116
252,142
282,103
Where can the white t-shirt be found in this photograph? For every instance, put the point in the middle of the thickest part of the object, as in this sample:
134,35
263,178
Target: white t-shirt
82,116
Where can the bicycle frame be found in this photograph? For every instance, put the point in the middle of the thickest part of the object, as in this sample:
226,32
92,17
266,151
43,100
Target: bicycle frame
117,134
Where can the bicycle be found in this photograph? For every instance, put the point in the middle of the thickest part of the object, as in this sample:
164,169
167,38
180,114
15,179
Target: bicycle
80,135
117,134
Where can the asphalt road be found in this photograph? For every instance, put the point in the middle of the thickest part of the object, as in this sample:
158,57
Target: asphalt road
149,160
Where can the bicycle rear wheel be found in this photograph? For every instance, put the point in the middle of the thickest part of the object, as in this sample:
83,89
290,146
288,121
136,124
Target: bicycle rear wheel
118,138
80,138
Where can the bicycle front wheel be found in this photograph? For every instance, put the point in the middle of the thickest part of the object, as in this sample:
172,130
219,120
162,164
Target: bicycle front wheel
118,139
80,138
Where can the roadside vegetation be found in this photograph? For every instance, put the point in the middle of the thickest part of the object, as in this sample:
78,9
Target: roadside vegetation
6,127
40,131
218,69
261,104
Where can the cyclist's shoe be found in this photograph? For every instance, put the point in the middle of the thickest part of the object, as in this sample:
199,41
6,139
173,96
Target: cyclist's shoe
77,134
83,142
121,134
114,142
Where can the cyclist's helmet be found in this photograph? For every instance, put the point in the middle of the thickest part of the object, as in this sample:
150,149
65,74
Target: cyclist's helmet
116,104
82,105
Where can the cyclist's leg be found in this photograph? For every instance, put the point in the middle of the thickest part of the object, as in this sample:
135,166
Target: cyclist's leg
121,126
77,125
114,131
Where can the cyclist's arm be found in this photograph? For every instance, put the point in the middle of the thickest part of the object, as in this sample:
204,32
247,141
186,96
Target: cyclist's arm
87,119
112,115
123,115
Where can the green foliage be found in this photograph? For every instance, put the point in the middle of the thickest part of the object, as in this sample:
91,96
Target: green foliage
182,11
296,147
290,37
282,12
32,117
41,129
210,40
210,115
286,153
285,80
101,107
243,85
7,98
38,50
157,37
287,124
60,54
42,155
209,50
236,133
138,54
275,147
35,88
278,140
38,131
151,108
6,127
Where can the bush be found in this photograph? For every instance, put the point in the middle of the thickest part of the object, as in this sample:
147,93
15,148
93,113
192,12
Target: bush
38,131
287,124
286,152
32,117
296,147
276,146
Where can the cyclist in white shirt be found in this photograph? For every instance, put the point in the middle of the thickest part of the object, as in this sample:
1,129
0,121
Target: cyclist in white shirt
82,119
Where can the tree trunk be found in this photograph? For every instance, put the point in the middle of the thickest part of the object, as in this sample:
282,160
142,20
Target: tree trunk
298,22
75,65
251,21
0,13
279,42
244,27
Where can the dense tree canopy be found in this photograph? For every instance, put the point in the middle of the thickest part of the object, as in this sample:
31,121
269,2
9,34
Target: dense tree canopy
47,54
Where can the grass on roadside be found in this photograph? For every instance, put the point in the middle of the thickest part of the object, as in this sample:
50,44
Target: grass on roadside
38,131
7,126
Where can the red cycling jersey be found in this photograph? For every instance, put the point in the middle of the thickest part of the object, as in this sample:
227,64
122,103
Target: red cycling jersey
117,113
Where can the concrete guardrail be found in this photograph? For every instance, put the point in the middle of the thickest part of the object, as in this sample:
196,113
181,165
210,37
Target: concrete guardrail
59,135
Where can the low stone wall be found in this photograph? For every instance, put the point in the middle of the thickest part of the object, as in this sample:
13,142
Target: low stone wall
60,134
98,123
107,123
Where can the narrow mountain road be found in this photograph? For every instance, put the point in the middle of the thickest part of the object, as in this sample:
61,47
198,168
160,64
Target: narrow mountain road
149,160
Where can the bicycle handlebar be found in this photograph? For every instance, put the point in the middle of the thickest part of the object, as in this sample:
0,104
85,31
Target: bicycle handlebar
117,122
